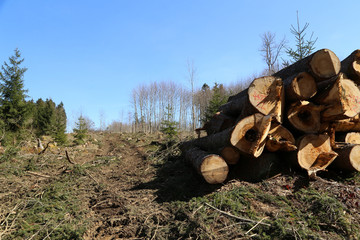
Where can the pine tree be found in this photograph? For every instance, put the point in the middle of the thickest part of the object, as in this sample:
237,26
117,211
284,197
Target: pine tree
81,130
13,108
218,98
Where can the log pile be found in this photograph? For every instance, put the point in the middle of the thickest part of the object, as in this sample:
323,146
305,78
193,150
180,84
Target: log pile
308,112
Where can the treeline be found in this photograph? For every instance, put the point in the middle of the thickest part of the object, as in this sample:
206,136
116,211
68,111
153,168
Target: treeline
157,101
21,119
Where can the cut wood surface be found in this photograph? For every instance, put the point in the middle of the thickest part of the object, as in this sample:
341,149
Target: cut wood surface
302,86
347,125
249,134
280,139
348,157
211,166
351,66
350,137
266,94
230,154
342,100
322,64
315,153
305,116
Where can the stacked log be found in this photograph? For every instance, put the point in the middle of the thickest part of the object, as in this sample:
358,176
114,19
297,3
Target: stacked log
308,110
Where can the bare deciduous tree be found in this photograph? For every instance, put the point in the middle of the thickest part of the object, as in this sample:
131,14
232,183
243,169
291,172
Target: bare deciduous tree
271,50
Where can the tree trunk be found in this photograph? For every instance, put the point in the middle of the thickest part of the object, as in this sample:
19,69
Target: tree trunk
315,153
249,134
322,64
256,169
302,86
212,167
305,116
348,158
264,95
230,154
351,66
280,139
346,125
341,100
218,123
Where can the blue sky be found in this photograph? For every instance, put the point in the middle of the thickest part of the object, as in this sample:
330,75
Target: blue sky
91,54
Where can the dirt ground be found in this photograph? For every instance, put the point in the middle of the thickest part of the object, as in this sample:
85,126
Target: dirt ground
137,187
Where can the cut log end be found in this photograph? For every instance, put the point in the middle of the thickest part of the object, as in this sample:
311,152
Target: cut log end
249,134
266,94
230,154
303,86
349,157
325,64
305,116
214,169
315,152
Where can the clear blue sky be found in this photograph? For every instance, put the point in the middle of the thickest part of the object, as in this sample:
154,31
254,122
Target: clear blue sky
91,54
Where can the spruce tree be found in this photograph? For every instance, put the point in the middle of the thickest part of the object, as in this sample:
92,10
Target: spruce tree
13,107
60,124
81,130
218,98
168,125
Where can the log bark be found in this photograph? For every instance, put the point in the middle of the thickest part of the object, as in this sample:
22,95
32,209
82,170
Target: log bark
302,86
265,95
348,158
217,123
249,134
341,99
230,154
315,153
280,139
212,167
351,66
305,116
346,125
322,64
257,169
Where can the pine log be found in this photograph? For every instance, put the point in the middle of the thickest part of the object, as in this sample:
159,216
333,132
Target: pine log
305,116
350,137
249,134
256,169
230,154
265,95
211,166
302,86
348,158
351,66
341,99
280,139
315,153
322,64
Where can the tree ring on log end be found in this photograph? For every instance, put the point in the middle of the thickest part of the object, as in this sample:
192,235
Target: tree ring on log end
305,116
251,135
354,157
356,67
304,86
213,168
325,64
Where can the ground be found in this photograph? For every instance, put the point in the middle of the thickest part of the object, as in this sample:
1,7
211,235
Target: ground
138,186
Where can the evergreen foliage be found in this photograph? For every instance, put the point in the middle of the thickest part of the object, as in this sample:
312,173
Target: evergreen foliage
304,47
13,107
168,125
81,131
218,98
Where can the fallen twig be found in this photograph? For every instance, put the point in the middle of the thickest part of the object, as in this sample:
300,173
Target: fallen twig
255,226
68,157
237,217
38,174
